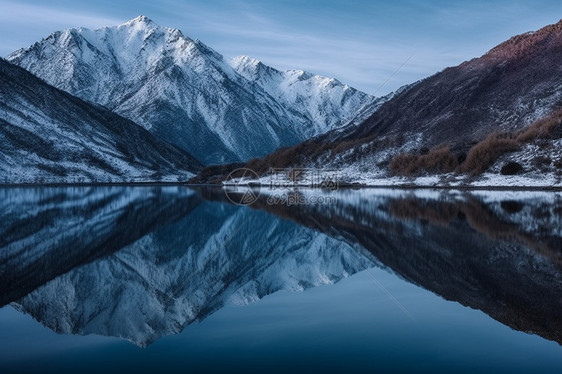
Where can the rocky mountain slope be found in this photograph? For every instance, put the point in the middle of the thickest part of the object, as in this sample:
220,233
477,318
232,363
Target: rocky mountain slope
186,93
495,105
508,88
48,135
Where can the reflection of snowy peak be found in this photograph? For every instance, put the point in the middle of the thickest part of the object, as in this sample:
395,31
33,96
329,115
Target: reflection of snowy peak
152,260
188,94
184,271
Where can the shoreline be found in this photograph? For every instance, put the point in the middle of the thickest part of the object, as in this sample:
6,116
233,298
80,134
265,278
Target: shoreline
350,186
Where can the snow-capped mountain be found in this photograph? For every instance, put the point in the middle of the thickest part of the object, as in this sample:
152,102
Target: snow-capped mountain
48,135
186,93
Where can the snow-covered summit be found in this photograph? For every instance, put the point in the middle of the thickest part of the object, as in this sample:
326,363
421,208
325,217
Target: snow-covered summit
186,93
139,20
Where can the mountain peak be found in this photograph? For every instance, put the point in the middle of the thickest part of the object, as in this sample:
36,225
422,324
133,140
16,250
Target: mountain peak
555,27
140,22
529,43
250,65
141,19
242,59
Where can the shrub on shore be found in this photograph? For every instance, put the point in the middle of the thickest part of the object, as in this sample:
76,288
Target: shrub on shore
482,155
437,160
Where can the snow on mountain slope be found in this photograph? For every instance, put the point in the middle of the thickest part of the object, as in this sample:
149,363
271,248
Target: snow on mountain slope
48,135
325,102
186,93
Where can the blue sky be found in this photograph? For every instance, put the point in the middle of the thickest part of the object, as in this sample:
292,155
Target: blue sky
360,42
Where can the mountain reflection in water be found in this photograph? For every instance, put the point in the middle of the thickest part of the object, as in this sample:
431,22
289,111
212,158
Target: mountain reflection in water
144,262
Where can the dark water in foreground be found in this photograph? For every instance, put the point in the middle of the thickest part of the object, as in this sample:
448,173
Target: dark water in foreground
146,279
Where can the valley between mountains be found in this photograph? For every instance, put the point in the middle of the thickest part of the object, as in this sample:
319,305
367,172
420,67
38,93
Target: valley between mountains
140,102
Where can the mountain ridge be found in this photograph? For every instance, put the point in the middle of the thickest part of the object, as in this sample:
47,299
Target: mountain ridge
50,136
185,92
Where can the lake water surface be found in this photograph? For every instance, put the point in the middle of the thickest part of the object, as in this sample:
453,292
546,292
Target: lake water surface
174,279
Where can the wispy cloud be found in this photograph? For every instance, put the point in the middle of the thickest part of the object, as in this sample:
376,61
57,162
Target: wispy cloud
21,24
41,15
362,63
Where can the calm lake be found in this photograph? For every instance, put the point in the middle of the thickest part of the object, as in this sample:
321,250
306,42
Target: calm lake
175,279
